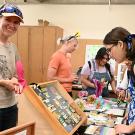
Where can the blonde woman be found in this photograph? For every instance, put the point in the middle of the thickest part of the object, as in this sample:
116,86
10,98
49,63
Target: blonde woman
60,67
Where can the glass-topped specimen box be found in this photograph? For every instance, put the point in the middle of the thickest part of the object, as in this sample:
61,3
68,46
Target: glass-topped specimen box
57,107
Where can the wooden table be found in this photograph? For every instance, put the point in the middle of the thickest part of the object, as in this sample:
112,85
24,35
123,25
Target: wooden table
111,131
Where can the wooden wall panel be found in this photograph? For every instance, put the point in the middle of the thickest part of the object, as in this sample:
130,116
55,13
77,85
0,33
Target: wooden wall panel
48,49
58,34
78,57
36,40
23,48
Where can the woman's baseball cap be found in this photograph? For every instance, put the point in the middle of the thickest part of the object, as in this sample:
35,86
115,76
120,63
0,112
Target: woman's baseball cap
11,10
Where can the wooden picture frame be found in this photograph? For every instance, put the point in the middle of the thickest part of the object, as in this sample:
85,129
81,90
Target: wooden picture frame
25,129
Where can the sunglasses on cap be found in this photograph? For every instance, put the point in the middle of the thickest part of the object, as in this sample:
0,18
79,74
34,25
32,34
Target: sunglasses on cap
11,9
74,36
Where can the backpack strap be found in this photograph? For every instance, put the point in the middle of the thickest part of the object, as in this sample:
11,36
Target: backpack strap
89,64
128,74
131,76
93,63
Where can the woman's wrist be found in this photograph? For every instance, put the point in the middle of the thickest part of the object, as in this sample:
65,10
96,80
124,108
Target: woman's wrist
93,85
2,82
115,91
131,128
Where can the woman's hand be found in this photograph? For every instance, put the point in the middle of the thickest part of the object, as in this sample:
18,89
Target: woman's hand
75,77
72,78
120,129
17,87
103,84
12,84
125,117
121,94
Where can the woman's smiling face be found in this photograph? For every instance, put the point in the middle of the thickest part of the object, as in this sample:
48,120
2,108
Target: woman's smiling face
9,25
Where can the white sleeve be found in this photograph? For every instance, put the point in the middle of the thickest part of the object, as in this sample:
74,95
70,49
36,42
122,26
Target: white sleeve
124,82
85,69
112,69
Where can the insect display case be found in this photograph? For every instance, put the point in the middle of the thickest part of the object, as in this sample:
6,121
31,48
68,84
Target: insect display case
56,106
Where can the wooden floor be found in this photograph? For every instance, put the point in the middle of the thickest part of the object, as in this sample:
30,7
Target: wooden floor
27,113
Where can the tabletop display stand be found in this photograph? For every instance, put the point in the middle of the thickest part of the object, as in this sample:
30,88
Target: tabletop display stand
56,106
25,129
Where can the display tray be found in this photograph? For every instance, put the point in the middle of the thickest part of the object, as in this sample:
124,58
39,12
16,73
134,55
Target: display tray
99,130
107,106
116,112
57,107
100,119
